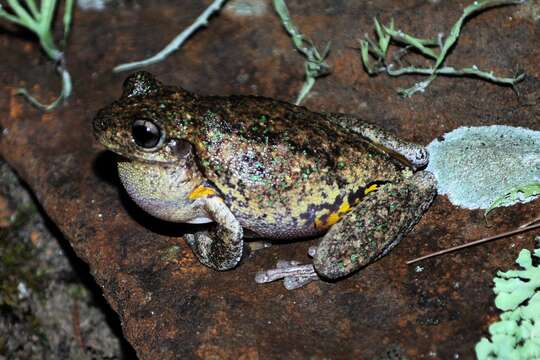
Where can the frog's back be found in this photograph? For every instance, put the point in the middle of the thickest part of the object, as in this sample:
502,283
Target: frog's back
285,171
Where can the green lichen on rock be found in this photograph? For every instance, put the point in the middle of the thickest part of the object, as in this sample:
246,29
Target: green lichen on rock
516,336
15,271
475,166
46,311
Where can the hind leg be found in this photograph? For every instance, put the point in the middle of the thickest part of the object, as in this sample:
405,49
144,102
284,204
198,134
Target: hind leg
365,234
414,154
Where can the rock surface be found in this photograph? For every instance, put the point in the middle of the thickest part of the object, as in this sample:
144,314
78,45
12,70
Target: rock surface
173,307
47,305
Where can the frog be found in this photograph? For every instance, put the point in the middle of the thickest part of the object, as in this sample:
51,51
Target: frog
254,167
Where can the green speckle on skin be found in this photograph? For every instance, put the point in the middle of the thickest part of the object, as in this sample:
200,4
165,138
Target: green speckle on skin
306,171
216,136
218,167
355,257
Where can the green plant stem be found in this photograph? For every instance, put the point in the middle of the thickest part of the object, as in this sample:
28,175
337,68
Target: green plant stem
450,41
47,44
39,21
448,71
33,9
315,65
421,45
177,42
477,6
23,15
424,46
65,93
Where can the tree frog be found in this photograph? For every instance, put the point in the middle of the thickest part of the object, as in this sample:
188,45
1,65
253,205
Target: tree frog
257,167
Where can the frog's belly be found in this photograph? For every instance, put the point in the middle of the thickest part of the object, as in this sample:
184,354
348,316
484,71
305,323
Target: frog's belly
286,228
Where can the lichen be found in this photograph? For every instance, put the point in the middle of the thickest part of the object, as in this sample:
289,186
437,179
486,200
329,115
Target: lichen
17,276
517,334
475,166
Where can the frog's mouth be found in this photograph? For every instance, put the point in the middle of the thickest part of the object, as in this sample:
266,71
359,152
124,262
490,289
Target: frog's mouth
122,157
175,151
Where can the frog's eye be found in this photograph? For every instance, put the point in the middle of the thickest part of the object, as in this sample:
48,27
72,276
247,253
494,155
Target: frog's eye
146,134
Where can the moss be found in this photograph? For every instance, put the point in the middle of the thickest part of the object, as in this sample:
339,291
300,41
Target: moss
16,255
20,277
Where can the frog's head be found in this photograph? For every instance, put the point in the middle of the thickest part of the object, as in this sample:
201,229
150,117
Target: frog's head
143,124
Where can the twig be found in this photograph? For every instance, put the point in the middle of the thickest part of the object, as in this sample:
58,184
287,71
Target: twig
39,21
480,241
451,71
177,42
530,223
64,94
436,49
315,66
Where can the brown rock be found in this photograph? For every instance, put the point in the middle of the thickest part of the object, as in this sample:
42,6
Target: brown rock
173,307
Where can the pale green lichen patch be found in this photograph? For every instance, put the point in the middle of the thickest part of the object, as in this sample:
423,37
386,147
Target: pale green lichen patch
478,165
517,334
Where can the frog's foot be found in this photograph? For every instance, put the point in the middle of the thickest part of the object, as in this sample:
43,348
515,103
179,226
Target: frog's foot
219,248
293,274
212,251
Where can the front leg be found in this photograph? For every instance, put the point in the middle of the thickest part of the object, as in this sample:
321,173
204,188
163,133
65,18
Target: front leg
220,247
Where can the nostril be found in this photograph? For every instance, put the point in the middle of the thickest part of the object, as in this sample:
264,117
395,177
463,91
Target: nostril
99,124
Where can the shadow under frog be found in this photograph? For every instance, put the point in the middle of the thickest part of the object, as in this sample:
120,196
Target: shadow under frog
258,166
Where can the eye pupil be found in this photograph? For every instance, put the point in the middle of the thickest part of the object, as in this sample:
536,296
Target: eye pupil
145,133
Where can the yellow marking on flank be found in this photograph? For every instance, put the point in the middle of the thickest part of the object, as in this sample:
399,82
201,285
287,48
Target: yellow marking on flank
344,207
332,219
201,191
371,188
319,224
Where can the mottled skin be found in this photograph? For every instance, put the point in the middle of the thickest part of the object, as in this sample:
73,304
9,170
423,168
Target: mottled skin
275,169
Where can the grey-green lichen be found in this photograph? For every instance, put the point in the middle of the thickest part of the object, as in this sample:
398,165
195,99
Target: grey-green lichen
516,335
475,166
46,312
